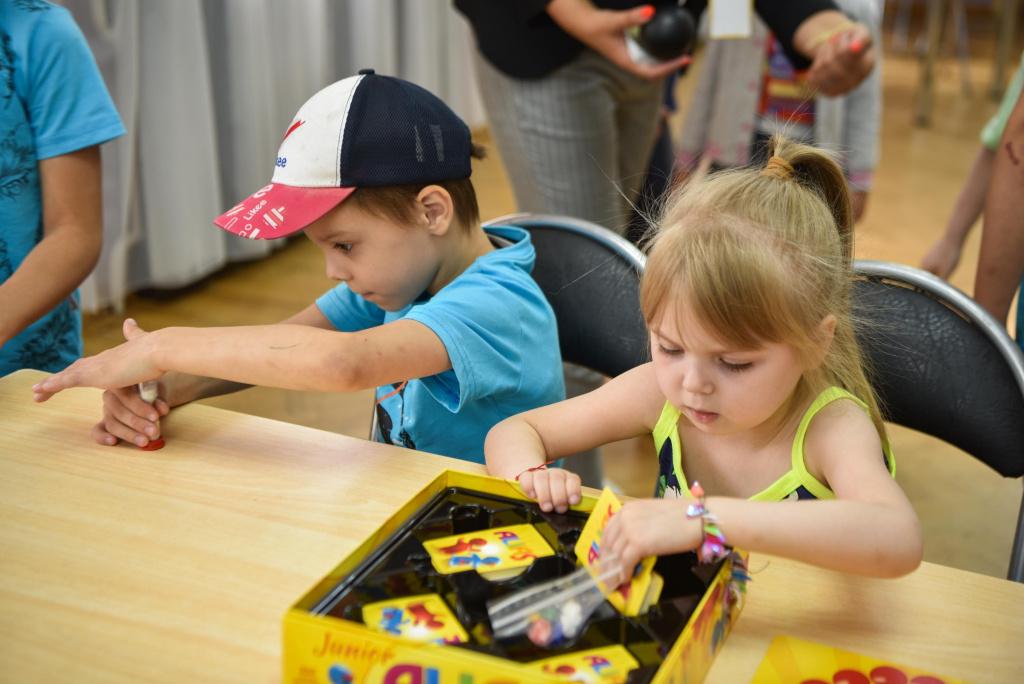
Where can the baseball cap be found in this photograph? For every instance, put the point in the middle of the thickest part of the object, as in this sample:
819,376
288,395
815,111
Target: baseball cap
367,130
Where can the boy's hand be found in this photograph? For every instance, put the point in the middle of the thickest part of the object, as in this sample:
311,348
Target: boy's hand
121,366
552,488
127,417
649,527
842,61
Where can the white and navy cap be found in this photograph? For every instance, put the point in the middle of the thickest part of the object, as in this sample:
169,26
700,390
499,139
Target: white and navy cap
363,131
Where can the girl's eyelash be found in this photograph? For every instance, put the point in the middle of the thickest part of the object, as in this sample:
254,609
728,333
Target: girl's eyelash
343,246
731,367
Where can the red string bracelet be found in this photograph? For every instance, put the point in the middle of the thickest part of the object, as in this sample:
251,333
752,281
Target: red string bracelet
542,466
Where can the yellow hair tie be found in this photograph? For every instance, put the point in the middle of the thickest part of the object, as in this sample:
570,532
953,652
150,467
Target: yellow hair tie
777,167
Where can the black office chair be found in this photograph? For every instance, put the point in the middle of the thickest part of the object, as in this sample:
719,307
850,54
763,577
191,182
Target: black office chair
591,277
943,366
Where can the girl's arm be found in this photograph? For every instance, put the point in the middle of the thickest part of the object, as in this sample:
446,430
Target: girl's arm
288,356
624,407
869,529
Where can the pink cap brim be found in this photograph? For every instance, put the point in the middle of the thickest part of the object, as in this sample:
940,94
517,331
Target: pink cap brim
279,210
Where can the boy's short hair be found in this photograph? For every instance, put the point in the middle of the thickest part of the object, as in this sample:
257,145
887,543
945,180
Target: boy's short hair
396,202
365,132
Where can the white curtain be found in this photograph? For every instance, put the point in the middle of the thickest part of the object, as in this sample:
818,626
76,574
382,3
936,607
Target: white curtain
206,89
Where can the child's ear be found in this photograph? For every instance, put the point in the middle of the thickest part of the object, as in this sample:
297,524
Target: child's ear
824,335
435,209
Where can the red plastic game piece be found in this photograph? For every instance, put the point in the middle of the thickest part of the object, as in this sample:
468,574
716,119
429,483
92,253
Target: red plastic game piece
154,444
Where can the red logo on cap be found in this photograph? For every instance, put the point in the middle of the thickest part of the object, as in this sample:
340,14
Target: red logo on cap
291,129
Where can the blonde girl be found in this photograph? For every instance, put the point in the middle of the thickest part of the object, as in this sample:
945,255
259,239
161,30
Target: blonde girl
756,387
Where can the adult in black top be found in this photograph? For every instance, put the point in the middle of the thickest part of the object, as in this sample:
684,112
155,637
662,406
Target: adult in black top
575,117
521,39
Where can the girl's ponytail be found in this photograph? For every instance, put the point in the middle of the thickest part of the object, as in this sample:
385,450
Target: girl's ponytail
817,171
766,255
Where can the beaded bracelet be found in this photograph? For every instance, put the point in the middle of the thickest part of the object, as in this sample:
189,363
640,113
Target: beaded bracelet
712,540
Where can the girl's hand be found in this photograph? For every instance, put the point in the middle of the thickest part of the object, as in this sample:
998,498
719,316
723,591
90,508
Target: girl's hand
127,417
842,61
552,488
121,366
649,527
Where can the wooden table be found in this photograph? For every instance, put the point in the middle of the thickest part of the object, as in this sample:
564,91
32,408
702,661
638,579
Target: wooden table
119,565
952,622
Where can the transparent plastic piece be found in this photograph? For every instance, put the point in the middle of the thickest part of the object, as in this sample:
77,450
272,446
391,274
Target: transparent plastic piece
553,612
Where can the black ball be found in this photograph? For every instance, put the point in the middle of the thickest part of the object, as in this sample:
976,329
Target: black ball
668,34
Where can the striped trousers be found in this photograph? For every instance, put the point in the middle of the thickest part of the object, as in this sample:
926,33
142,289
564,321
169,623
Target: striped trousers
576,142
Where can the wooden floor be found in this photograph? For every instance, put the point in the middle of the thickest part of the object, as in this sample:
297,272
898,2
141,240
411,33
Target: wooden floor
967,509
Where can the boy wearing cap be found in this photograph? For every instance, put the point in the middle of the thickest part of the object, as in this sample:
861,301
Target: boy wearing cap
440,315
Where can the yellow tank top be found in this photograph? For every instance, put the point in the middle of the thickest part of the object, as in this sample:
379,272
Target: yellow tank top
796,483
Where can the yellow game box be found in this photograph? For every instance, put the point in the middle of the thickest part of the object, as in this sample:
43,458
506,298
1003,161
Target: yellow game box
393,612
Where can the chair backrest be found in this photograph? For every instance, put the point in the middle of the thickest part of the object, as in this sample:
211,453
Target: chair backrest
943,366
591,277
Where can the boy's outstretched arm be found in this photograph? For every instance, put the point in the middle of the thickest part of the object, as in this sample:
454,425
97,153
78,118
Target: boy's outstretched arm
182,388
869,529
127,417
626,406
283,355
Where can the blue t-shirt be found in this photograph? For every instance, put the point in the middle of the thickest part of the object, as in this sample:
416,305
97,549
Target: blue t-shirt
52,102
501,337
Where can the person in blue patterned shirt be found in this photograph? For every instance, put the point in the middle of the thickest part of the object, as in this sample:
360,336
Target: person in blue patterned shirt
55,111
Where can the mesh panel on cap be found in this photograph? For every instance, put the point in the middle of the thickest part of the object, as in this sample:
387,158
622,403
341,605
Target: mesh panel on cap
398,133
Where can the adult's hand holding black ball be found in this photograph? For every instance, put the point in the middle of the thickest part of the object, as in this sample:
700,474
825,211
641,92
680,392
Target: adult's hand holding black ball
668,34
